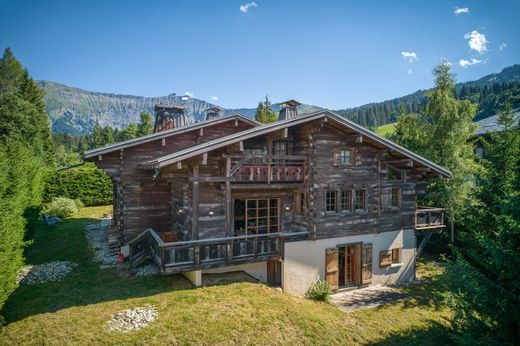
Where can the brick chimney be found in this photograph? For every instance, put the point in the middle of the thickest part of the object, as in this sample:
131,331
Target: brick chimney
288,110
213,113
169,117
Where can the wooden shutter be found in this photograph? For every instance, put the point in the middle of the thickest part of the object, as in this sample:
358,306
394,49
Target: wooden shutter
385,258
332,268
367,264
386,197
335,156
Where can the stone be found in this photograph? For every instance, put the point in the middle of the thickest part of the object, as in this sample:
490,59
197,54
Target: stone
131,319
46,272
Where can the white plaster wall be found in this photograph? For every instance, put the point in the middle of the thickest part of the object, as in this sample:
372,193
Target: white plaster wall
304,261
257,270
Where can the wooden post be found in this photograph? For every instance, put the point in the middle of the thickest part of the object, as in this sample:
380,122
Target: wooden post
163,141
205,159
227,199
195,205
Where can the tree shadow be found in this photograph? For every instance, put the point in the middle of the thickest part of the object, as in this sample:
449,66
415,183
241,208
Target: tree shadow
87,284
426,336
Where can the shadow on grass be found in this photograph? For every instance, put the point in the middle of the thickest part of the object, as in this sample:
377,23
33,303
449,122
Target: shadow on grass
86,284
427,336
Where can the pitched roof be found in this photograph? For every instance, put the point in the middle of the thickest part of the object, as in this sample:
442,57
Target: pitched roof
167,133
261,130
490,124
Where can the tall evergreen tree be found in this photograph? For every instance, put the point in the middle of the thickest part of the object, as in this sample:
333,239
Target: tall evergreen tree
145,126
264,114
128,132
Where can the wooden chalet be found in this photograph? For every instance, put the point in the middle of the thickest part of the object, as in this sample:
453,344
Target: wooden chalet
305,198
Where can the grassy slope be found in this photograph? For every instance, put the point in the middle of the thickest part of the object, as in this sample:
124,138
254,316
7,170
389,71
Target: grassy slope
75,309
386,130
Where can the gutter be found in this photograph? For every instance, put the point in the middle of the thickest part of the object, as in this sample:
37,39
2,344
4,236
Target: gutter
69,167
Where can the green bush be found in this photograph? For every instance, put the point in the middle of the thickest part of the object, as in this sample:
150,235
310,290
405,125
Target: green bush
320,291
87,183
79,203
60,207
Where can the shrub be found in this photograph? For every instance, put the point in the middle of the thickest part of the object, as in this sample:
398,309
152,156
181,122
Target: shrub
60,207
87,183
79,203
320,291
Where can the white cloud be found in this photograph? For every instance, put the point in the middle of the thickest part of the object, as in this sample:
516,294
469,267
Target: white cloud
189,93
461,10
477,41
409,56
245,7
502,46
409,71
213,98
465,63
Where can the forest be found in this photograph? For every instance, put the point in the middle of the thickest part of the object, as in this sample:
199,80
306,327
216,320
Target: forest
482,199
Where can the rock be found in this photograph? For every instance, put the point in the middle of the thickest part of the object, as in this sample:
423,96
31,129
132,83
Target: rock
46,272
51,220
131,319
147,270
97,239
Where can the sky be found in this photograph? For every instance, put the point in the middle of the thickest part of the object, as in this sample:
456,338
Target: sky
334,54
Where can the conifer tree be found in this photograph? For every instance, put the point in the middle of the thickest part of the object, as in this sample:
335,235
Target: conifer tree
145,126
264,113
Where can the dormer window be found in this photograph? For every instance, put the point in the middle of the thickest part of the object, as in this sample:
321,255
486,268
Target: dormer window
394,174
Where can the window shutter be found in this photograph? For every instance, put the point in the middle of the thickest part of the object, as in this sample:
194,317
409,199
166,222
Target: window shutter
332,268
386,197
367,264
385,258
335,156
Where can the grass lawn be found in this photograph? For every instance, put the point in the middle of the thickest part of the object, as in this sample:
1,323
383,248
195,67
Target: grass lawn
74,311
386,130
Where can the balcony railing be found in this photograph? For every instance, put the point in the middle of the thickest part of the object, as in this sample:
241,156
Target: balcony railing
198,254
268,168
429,218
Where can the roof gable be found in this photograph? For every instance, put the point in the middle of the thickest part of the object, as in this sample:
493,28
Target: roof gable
163,134
265,129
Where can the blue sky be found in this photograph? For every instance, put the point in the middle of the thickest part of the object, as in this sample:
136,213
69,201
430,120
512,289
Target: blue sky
334,54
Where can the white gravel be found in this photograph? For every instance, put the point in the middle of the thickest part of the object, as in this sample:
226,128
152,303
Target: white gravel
131,319
147,270
97,239
46,272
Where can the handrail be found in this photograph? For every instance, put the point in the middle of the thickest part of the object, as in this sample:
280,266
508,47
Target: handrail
431,218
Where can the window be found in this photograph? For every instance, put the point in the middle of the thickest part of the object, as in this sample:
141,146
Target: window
396,197
344,157
262,216
346,201
394,174
387,258
360,200
330,201
301,202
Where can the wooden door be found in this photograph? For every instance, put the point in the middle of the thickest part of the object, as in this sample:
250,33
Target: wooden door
273,273
366,277
331,268
357,264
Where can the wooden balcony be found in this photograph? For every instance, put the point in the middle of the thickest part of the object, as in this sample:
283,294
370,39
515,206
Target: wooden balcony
429,218
184,256
268,169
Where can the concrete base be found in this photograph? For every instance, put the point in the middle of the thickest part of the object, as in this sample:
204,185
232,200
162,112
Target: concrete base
258,270
195,277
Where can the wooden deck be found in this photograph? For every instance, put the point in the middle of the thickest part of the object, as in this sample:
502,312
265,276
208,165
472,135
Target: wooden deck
184,256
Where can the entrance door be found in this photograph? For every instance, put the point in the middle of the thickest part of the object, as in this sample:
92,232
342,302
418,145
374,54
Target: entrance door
349,271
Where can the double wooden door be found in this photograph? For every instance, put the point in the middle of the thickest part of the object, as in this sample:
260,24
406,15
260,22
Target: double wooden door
348,265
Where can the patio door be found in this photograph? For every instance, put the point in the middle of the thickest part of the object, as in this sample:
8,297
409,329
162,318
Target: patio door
260,216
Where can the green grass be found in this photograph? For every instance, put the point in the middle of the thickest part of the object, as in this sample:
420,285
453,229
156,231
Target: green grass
386,130
74,311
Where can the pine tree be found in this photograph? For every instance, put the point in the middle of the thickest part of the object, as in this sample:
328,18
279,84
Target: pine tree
264,114
145,126
107,135
95,139
129,132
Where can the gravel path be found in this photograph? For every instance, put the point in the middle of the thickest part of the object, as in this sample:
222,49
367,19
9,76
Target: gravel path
368,297
131,319
97,239
46,272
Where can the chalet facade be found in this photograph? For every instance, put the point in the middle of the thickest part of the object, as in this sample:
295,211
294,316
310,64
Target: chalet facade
305,198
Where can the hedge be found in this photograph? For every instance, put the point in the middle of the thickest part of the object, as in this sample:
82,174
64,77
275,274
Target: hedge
87,183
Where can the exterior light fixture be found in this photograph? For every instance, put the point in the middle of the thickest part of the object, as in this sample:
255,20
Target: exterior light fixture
211,213
287,208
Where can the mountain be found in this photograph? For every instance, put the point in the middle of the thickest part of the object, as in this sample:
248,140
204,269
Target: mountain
75,111
487,92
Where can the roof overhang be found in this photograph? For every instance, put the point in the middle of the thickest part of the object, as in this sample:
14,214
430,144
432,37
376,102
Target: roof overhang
158,135
280,125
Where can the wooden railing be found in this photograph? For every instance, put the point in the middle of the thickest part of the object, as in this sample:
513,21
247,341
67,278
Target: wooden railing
429,218
207,253
268,168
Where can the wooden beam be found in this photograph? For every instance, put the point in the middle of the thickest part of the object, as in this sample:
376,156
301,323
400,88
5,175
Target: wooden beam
209,179
179,165
404,162
205,159
163,141
100,157
236,122
227,199
241,146
359,138
286,132
201,131
195,205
